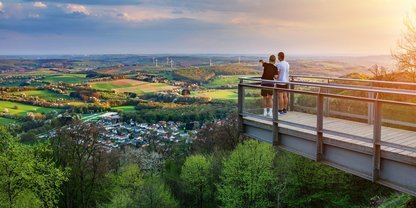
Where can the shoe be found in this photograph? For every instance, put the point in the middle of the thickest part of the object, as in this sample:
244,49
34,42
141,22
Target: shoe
280,113
284,111
270,114
265,113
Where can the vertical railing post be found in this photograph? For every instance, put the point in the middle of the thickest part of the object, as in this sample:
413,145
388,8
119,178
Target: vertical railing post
319,125
240,107
276,138
377,138
291,96
327,101
370,116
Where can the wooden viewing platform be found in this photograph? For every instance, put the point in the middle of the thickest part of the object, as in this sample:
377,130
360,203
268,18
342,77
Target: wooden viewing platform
382,154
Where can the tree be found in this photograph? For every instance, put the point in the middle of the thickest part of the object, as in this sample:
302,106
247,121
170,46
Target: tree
247,176
211,138
154,193
149,162
312,184
133,189
381,73
27,175
125,183
77,147
195,177
405,53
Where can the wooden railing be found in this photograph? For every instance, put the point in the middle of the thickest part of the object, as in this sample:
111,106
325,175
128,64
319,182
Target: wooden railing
372,87
371,84
324,91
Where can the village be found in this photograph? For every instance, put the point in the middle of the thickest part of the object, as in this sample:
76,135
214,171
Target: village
119,133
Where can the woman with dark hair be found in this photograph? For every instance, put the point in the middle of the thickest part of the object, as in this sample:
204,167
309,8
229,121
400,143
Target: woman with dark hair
269,73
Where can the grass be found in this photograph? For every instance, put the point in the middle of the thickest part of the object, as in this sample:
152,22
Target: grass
115,84
108,86
66,78
127,108
6,121
130,85
229,94
91,117
225,81
22,109
44,94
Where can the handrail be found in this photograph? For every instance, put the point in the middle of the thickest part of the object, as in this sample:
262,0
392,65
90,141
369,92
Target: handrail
354,80
376,111
356,88
333,95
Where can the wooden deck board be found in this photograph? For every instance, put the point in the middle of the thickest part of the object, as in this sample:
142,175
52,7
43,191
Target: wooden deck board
352,128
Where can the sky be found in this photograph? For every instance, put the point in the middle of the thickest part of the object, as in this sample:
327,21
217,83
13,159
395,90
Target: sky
301,27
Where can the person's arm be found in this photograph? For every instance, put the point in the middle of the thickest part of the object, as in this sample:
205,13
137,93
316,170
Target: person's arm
276,74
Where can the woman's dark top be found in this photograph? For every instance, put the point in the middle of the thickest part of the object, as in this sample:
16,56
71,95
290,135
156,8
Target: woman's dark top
269,72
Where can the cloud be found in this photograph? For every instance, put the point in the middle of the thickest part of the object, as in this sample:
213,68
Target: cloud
300,26
77,8
94,2
137,14
39,4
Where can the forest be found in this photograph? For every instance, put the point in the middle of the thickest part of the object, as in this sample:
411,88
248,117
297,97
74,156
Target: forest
218,169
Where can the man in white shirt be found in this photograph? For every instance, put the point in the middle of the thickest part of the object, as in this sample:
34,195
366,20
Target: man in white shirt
283,68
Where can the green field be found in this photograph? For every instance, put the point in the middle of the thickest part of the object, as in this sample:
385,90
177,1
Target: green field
127,108
23,109
230,94
225,81
44,94
129,85
66,78
91,117
7,121
109,86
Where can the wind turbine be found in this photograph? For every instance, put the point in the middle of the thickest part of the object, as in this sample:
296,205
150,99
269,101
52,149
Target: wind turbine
153,60
156,62
171,63
210,62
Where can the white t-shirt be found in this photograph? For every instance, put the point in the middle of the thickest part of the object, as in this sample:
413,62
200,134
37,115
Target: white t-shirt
283,68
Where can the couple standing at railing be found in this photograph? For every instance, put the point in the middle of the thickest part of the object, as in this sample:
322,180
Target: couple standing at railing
278,72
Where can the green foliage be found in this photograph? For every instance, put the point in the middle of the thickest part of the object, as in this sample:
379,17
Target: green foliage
223,82
27,176
311,184
232,69
154,193
7,121
399,201
247,176
194,74
195,177
76,147
182,113
132,189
